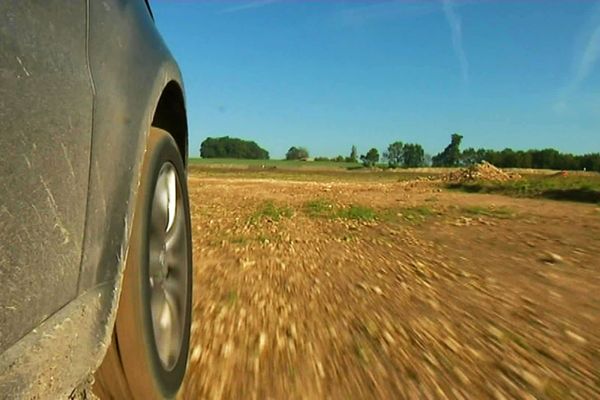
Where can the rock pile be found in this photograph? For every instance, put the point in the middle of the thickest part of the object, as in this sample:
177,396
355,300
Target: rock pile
484,171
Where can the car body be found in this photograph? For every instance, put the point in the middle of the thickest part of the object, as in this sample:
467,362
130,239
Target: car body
81,82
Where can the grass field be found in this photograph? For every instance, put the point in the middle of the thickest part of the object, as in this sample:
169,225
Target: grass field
574,186
582,188
304,173
295,164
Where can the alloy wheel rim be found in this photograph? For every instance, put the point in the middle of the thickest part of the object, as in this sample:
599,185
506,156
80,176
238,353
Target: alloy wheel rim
168,272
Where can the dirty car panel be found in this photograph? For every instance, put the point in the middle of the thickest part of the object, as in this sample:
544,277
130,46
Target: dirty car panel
45,136
80,82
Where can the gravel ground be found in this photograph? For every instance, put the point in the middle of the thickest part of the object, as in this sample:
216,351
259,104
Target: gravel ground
434,294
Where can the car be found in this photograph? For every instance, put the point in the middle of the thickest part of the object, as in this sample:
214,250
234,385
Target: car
95,236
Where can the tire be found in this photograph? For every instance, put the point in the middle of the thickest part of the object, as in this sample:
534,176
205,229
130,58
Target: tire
148,355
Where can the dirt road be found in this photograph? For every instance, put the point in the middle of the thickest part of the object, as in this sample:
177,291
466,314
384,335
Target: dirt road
414,292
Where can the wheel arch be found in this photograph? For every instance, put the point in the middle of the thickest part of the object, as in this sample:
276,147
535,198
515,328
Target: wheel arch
170,115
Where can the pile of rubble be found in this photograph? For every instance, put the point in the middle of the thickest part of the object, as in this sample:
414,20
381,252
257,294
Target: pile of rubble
484,171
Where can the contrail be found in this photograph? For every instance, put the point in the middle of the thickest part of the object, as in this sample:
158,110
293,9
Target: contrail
590,55
248,6
457,38
584,61
376,11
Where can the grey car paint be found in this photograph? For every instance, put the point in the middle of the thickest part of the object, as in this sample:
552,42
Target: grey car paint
80,84
45,123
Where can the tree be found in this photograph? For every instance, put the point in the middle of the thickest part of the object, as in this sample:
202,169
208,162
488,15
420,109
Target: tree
413,155
371,158
427,160
296,153
541,159
394,154
451,155
508,158
226,147
590,162
469,157
353,155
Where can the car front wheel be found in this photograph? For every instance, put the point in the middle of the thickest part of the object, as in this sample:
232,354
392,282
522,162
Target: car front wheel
148,354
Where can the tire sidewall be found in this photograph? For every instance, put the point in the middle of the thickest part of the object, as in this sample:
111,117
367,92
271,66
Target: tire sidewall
161,148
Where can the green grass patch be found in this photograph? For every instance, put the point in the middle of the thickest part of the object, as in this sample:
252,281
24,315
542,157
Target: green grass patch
238,240
357,212
270,211
361,352
416,214
319,208
264,239
355,167
580,188
229,298
322,208
493,212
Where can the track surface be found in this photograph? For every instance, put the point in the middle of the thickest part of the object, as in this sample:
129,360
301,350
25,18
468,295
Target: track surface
465,296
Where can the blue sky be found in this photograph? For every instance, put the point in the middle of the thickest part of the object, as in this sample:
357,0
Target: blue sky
330,74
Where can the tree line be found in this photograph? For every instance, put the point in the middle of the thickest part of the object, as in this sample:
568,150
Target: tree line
452,156
412,155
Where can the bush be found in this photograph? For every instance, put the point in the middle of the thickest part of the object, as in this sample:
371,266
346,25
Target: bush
226,147
296,153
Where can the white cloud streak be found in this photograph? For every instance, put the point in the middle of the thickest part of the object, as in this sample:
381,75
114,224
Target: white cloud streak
587,55
362,15
588,58
248,6
455,24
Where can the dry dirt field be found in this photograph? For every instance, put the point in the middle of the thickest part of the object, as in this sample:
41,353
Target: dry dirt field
363,290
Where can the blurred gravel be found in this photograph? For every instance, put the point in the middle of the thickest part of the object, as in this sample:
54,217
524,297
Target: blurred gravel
447,305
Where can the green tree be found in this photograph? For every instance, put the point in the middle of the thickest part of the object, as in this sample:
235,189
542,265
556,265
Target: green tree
508,158
413,155
469,157
296,153
539,159
590,162
427,160
451,155
226,147
371,158
394,154
353,155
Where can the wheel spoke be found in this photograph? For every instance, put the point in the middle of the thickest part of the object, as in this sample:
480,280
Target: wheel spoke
171,189
175,326
168,263
154,249
174,284
175,242
160,217
158,304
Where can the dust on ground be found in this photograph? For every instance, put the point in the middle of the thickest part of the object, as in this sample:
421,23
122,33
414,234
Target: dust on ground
432,294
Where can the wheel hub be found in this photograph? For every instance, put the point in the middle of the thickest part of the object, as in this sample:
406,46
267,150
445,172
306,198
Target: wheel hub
168,265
